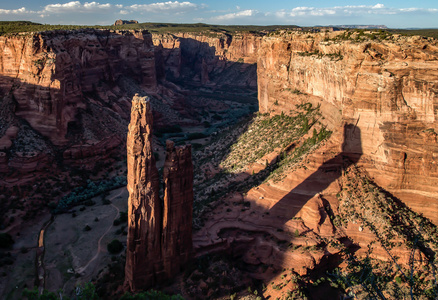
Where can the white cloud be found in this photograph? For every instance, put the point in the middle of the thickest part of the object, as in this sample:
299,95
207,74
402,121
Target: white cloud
18,11
76,6
307,16
57,8
237,15
168,7
93,5
349,10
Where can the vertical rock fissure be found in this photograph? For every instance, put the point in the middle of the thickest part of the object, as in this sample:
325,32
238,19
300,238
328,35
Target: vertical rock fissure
159,234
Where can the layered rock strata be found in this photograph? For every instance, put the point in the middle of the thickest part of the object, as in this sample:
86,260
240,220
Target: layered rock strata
61,100
159,236
177,247
388,88
212,60
50,74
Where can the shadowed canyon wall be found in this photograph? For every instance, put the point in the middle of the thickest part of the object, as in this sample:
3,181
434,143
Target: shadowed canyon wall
54,71
159,236
210,60
388,88
61,98
66,94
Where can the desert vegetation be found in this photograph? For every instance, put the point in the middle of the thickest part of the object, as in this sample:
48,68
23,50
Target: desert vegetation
408,239
274,143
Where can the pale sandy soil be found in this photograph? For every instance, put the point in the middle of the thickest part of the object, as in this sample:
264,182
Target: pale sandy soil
74,256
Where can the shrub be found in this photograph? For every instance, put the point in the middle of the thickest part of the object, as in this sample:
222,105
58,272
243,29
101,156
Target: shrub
6,240
114,247
196,135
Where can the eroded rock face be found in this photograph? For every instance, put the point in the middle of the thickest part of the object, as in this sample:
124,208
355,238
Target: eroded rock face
53,72
65,85
143,255
178,207
159,237
388,88
207,60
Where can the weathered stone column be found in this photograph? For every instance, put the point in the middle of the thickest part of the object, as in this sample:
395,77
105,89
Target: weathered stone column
178,207
143,253
159,234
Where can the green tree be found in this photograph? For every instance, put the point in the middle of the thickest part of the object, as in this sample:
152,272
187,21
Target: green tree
6,240
114,247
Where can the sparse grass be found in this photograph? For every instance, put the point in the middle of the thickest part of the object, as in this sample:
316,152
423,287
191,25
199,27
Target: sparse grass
333,56
266,134
283,135
396,229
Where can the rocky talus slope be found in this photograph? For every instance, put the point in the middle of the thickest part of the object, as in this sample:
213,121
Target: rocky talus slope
159,237
385,84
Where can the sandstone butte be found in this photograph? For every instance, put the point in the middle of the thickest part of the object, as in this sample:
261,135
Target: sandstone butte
159,234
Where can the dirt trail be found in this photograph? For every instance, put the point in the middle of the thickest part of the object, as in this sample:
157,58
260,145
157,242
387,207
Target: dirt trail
39,258
81,270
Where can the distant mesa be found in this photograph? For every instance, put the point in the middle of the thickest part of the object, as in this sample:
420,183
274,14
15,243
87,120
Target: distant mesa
362,26
122,22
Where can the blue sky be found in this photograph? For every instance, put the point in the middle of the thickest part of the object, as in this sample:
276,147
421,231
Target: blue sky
394,14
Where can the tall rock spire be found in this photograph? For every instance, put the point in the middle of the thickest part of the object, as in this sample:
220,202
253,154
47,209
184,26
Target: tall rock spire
143,254
178,207
159,235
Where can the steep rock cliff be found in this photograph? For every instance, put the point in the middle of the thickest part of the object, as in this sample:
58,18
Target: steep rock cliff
159,236
49,74
389,88
61,95
216,59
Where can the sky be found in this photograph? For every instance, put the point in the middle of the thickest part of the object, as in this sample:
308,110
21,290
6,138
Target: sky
394,13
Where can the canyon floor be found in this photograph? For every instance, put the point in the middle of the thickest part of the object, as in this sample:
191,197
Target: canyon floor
273,218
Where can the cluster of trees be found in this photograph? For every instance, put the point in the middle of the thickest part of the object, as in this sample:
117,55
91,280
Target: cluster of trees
91,190
6,240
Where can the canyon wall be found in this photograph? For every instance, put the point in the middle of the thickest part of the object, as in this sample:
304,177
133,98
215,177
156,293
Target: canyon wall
159,236
61,95
65,95
388,88
207,59
50,74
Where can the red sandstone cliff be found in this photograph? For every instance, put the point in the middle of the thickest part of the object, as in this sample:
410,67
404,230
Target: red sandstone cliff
159,238
62,95
143,255
217,59
49,74
177,246
389,88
